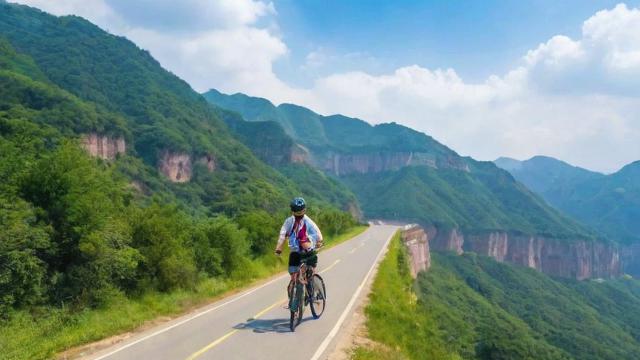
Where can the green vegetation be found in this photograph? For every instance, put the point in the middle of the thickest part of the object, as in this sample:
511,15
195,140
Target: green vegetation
329,133
607,203
443,194
543,174
473,307
269,142
395,319
477,301
84,240
483,199
41,332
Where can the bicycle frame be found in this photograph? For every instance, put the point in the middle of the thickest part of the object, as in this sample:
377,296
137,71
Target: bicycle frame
302,276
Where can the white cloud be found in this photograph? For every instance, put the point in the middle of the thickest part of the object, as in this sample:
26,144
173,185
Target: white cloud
576,99
234,59
95,10
227,44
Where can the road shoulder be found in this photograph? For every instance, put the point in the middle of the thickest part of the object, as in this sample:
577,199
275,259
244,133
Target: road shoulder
353,332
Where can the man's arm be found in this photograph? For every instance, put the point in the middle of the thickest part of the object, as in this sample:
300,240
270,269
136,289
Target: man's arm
283,235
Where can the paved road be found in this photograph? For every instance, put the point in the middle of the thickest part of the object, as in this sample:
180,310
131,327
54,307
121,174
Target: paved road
255,324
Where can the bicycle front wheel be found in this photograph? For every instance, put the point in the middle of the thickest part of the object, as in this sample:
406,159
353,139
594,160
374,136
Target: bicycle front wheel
318,296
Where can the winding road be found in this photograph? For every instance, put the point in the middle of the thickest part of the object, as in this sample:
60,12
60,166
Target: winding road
254,324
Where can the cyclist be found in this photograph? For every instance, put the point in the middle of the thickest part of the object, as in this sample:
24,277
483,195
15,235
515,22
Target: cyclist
304,238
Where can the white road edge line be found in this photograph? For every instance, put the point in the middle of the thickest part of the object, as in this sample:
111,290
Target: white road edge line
343,316
190,318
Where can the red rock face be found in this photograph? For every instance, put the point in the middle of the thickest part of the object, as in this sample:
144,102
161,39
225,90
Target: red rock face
344,164
176,167
208,161
417,243
446,240
630,258
340,164
570,258
578,259
103,146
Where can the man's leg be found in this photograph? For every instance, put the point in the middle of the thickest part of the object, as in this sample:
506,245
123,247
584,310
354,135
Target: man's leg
294,266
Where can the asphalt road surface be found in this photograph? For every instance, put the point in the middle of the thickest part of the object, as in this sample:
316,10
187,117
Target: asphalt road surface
254,324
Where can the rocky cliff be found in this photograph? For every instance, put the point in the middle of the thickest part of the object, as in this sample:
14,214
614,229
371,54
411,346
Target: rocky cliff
630,256
176,166
103,146
445,240
378,161
578,259
298,154
208,162
416,241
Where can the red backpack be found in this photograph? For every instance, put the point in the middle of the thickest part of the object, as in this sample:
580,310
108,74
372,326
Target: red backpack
299,229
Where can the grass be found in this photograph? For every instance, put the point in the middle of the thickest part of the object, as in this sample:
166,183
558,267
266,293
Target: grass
376,353
43,332
394,318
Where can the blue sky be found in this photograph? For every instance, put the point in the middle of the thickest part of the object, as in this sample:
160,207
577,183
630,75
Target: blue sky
476,38
486,78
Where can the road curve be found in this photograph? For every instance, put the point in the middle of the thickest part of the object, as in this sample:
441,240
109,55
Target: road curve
255,324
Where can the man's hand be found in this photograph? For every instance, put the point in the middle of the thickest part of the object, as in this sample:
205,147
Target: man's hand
278,250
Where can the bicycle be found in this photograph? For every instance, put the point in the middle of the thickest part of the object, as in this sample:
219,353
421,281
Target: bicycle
315,295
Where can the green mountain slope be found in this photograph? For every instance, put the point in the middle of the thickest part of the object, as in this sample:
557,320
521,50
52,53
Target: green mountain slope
608,203
399,173
473,307
81,231
336,133
157,112
477,201
544,174
269,142
476,301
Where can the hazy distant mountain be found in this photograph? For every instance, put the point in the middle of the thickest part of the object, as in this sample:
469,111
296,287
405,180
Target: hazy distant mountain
609,203
543,173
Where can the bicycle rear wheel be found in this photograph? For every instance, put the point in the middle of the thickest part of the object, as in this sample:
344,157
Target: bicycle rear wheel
318,296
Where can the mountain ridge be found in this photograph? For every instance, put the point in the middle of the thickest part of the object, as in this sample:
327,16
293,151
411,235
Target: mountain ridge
398,173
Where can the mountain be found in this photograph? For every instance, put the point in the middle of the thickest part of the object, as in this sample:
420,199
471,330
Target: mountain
160,119
341,145
399,173
544,174
270,143
117,179
473,307
608,203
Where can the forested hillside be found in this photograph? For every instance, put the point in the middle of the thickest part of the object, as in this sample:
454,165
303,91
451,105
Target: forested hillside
399,173
118,181
608,203
472,307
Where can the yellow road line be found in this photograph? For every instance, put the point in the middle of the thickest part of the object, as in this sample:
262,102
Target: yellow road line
267,309
210,346
262,312
227,335
330,266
